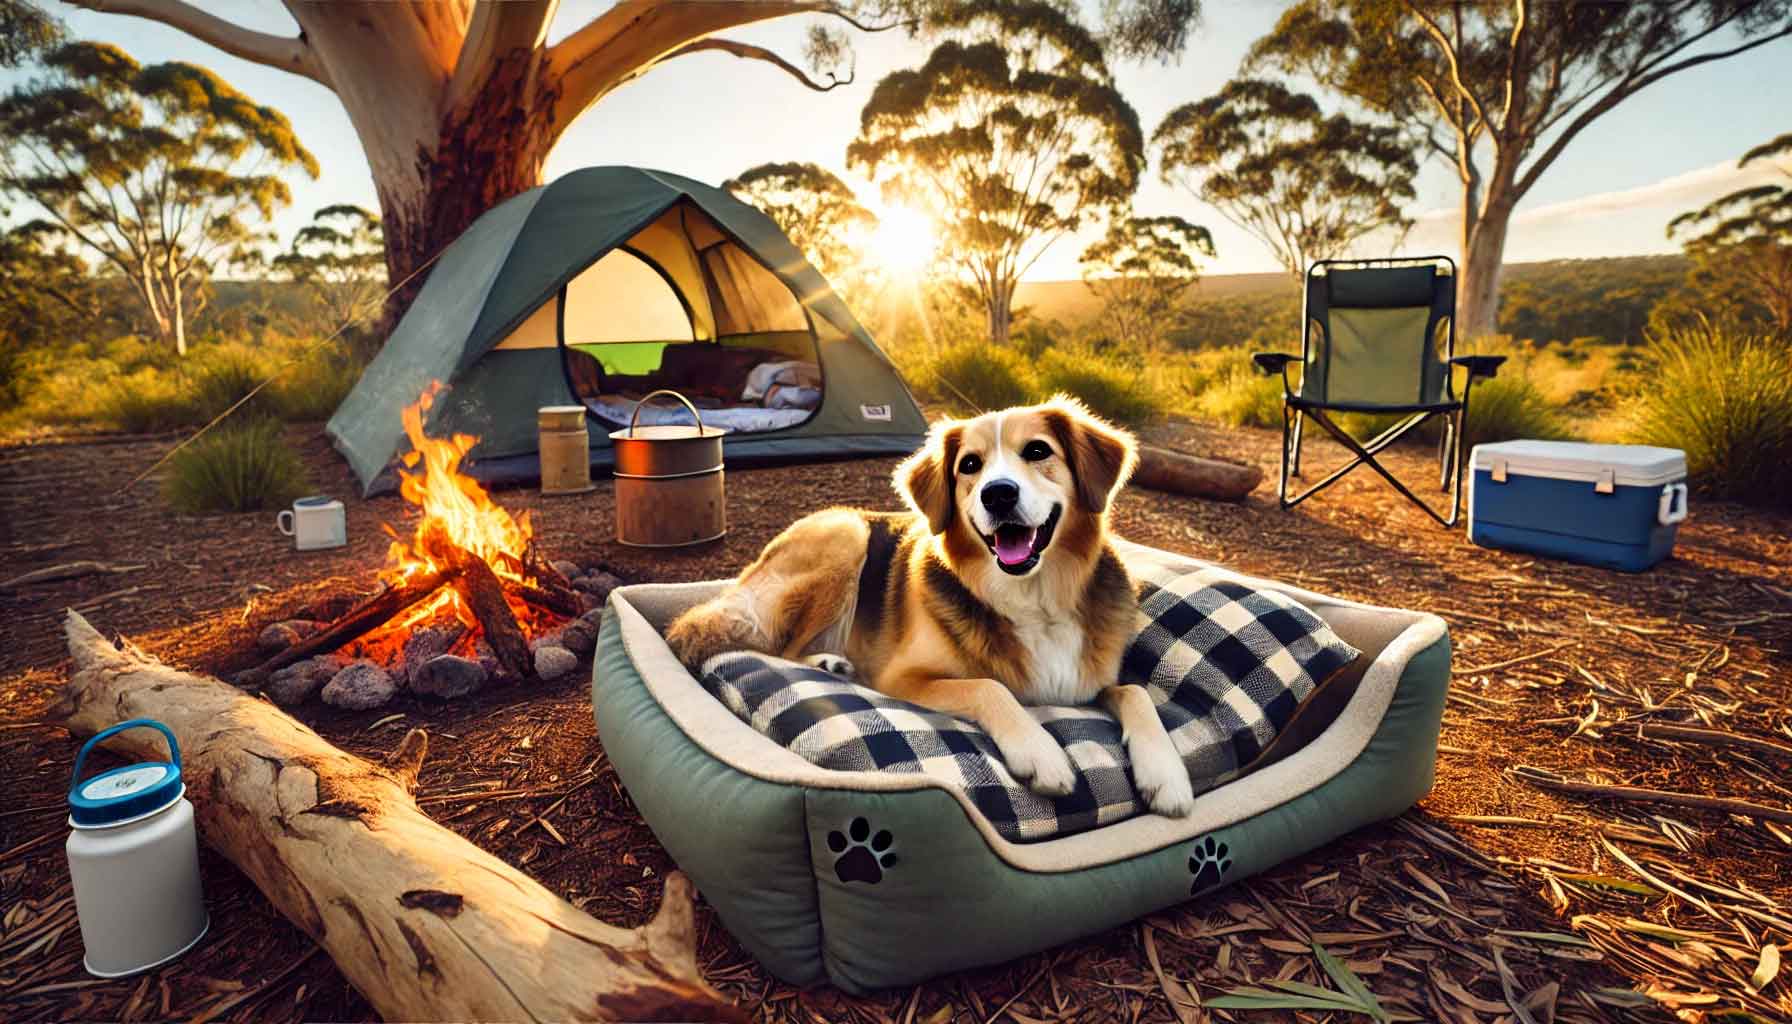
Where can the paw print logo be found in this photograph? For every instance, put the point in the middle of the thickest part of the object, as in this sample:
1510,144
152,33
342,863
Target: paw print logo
1209,862
863,856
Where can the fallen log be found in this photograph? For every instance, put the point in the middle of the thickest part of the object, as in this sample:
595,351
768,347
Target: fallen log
424,924
1163,470
362,618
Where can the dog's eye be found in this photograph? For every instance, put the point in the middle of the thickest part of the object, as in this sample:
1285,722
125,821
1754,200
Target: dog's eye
970,464
1035,451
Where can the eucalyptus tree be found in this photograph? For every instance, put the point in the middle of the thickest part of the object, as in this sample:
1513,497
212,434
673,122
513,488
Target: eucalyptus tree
457,103
164,172
819,212
1500,89
1305,184
340,257
26,29
1011,135
1743,240
1141,270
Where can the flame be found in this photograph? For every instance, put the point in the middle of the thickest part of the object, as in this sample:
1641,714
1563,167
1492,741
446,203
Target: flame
455,507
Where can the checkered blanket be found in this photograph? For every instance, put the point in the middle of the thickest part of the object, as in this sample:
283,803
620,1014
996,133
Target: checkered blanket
1226,665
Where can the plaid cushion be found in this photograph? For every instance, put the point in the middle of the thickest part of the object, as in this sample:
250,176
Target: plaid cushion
1226,665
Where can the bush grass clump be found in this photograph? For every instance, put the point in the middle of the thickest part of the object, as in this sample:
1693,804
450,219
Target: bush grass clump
1122,394
236,468
974,376
1725,398
1509,407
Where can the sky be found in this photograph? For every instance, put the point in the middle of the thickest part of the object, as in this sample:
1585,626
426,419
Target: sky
1670,148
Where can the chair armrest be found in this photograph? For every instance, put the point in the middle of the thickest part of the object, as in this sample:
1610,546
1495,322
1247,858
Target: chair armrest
1479,366
1271,363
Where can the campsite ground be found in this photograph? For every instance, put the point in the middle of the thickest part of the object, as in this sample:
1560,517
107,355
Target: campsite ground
1553,662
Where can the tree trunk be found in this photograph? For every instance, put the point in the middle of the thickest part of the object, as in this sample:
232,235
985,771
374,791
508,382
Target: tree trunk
421,922
1000,312
1478,294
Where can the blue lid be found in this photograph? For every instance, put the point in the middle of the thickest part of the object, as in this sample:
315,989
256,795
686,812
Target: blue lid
121,794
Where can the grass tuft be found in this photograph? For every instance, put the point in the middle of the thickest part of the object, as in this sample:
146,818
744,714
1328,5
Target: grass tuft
1725,398
971,377
236,468
1117,392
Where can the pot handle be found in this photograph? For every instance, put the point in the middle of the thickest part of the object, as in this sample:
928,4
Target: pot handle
655,394
150,723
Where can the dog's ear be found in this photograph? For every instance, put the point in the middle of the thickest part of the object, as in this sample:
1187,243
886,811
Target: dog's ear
1101,455
925,479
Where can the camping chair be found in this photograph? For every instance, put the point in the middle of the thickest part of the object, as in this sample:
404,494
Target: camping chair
1370,343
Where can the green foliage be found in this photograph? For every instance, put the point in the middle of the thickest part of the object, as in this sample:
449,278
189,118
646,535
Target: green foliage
817,210
239,467
973,376
164,172
1010,135
1351,995
1223,386
1742,244
1305,184
1141,271
1118,392
1725,399
315,385
341,257
1607,300
1510,407
26,29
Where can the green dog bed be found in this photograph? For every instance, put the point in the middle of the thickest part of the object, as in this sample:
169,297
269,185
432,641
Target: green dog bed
869,879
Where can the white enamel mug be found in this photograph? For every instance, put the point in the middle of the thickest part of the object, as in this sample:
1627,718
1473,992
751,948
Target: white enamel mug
314,522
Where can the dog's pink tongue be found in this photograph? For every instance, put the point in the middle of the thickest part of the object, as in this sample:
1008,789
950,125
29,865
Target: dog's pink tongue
1014,544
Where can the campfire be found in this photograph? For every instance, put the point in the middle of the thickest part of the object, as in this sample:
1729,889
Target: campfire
461,598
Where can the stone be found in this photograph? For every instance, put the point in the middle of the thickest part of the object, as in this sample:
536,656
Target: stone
598,584
448,676
488,660
579,636
424,644
359,686
549,639
278,636
552,662
296,683
564,568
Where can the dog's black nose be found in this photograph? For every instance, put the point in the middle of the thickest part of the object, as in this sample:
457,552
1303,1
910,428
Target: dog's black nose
1000,496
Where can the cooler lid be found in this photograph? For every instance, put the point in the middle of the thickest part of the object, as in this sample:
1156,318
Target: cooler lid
1630,465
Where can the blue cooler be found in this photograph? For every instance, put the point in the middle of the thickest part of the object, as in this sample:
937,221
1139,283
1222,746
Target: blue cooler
1611,505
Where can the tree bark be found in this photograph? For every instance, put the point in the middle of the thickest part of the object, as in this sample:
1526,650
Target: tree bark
1478,294
1163,470
424,924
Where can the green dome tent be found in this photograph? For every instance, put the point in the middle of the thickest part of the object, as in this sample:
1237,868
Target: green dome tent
609,283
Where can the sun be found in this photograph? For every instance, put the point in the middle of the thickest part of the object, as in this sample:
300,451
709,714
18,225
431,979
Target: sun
904,240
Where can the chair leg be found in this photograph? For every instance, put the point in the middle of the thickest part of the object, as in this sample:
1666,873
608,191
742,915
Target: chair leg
1297,439
1445,464
1288,422
1365,455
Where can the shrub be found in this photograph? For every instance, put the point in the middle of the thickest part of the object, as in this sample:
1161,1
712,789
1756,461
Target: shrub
235,468
1241,397
1725,398
224,377
145,402
975,376
1120,393
311,389
1508,407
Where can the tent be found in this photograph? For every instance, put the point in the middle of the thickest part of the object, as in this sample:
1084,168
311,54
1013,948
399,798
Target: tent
607,284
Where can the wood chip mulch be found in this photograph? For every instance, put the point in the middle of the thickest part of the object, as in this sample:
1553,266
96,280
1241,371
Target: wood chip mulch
1545,878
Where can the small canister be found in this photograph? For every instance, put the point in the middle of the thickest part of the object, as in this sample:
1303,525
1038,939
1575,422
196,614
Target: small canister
669,488
134,859
565,449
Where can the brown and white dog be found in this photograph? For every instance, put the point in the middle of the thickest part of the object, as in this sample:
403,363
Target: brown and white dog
1000,589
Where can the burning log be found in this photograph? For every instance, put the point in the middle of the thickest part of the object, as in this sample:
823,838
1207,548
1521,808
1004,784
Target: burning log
421,922
364,618
484,597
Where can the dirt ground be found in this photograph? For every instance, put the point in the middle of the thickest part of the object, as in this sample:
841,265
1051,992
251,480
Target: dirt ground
1493,893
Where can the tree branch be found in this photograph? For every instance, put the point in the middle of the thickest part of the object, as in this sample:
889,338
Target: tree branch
497,28
287,53
748,51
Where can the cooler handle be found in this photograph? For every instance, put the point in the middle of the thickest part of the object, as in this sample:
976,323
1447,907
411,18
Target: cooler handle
1672,507
81,758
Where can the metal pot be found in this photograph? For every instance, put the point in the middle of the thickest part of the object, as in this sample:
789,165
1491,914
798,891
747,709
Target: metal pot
669,481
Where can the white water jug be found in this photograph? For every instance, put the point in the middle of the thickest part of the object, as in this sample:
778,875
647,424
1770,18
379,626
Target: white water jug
134,860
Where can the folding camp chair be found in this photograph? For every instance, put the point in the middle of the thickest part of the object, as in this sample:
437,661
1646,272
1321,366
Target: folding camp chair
1378,336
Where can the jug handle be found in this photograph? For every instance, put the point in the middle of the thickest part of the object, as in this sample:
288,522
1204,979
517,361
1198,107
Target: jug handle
81,758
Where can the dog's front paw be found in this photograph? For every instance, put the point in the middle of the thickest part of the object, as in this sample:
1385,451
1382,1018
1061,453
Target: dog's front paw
831,663
1162,779
1036,759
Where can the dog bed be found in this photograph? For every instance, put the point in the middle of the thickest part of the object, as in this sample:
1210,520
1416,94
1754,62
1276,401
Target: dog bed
874,878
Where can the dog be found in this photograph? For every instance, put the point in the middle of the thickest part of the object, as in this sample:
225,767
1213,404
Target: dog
999,588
